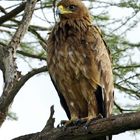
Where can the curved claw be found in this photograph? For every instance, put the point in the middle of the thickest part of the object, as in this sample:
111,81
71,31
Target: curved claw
73,122
70,123
62,123
66,123
81,121
89,120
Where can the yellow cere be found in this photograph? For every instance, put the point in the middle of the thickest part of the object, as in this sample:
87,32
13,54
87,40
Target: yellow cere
64,10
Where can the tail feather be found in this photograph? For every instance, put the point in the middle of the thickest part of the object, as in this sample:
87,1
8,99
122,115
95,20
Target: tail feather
101,107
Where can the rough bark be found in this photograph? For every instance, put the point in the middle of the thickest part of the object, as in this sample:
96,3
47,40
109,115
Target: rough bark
101,127
13,78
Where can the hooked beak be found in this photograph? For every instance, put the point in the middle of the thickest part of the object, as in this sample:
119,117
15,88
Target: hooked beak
62,10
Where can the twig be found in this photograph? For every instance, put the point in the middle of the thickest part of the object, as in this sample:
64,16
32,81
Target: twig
50,123
12,13
40,57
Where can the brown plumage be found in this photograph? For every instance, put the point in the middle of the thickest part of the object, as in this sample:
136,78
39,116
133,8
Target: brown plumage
79,63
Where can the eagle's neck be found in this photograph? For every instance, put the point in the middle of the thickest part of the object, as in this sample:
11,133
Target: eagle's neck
80,24
74,28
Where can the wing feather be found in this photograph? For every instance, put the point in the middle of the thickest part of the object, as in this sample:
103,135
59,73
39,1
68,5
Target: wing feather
62,100
104,63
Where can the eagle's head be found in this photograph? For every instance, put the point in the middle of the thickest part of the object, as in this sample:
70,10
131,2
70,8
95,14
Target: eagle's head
72,9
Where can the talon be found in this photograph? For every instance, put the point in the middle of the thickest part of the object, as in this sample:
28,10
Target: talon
100,116
66,123
63,122
69,123
85,126
91,119
81,121
78,122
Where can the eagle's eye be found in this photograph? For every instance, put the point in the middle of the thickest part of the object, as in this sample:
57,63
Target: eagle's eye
72,7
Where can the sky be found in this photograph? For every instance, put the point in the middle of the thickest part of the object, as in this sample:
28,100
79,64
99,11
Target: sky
33,101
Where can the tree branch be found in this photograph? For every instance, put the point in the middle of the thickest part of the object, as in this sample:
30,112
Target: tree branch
8,64
39,56
17,86
50,123
23,27
12,13
8,95
98,128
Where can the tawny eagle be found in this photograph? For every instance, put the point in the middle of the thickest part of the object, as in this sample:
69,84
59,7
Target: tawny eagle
79,63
